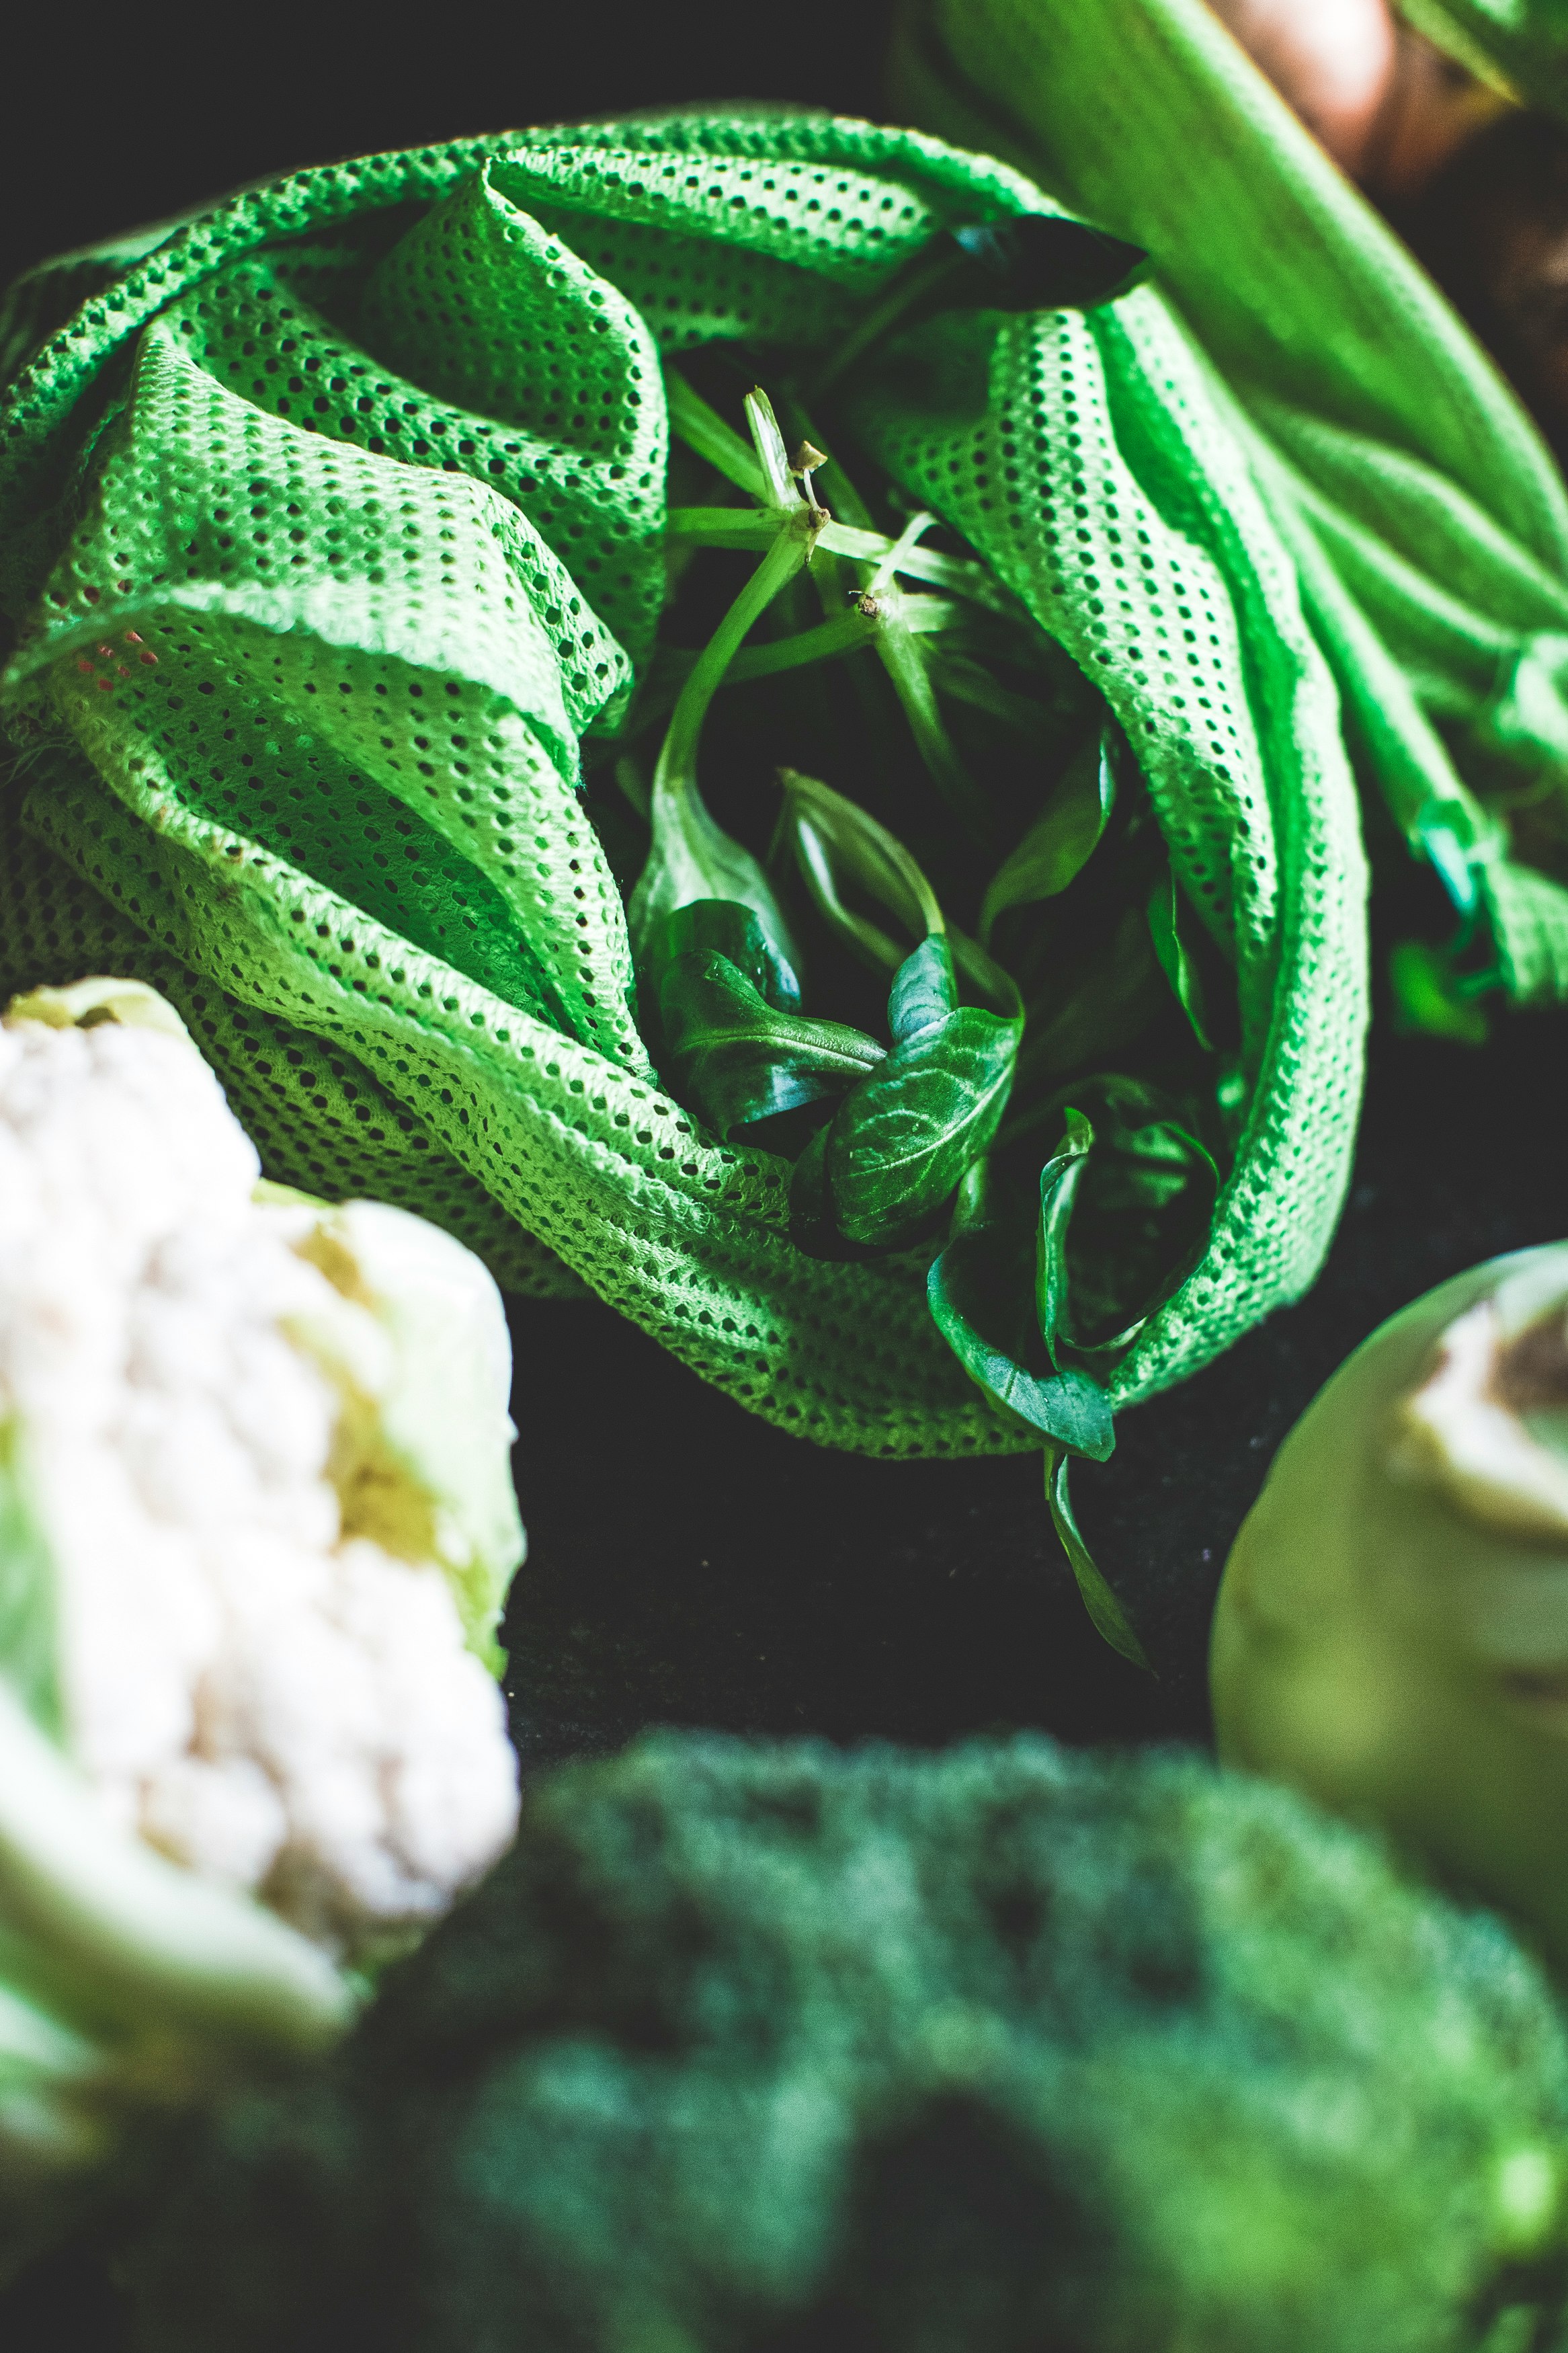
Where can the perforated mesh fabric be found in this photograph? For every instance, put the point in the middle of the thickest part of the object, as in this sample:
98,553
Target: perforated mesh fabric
1426,517
333,522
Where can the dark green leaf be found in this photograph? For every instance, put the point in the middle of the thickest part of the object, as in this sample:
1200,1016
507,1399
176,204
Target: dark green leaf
1059,1181
1429,996
864,939
1129,1200
902,1141
924,991
839,846
1119,992
1105,1610
692,858
903,657
981,1295
1039,261
1168,929
985,975
723,927
1032,261
958,674
1058,845
734,1058
813,1225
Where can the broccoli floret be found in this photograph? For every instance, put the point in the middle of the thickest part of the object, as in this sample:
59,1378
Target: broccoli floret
774,2049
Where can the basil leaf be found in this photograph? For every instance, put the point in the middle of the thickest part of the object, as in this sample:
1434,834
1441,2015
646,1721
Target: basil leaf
837,843
724,927
1059,843
734,1058
1132,1195
924,991
902,1141
1167,920
813,1224
1039,261
1059,1181
691,857
1105,1610
979,1293
1119,992
863,938
903,657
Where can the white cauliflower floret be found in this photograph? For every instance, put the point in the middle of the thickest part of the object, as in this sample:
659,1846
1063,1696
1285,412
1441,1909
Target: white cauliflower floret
269,1557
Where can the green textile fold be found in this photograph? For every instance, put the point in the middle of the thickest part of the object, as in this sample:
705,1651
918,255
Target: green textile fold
332,525
1426,518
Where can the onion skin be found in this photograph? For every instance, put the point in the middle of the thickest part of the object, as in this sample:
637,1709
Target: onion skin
1395,1657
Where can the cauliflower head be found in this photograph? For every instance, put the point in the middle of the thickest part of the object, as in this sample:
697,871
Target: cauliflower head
257,1524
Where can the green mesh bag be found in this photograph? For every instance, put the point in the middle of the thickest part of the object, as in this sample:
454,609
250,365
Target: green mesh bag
331,522
1426,517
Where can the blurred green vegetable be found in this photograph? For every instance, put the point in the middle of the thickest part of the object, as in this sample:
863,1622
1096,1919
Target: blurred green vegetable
1392,1633
779,2050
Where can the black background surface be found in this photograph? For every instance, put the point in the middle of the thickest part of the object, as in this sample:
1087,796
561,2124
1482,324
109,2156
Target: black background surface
688,1565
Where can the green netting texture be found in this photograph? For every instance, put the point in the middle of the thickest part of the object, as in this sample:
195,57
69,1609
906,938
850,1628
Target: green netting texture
1426,517
330,522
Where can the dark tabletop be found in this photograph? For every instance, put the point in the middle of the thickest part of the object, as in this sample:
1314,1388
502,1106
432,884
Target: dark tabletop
690,1565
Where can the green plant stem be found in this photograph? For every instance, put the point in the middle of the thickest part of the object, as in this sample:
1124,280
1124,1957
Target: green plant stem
911,286
875,857
1105,1610
704,430
754,527
790,549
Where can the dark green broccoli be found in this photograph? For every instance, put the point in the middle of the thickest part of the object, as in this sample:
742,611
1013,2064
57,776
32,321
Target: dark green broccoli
778,2049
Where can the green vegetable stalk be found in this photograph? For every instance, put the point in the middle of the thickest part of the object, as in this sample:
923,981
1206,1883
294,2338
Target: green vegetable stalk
690,858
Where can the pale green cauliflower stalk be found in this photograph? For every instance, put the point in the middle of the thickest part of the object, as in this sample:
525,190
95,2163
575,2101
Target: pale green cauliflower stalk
1392,1633
256,1525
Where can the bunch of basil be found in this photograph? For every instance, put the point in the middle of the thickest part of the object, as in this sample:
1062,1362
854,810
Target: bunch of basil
1040,1104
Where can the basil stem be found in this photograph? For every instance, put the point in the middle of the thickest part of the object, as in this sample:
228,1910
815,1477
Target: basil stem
690,856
